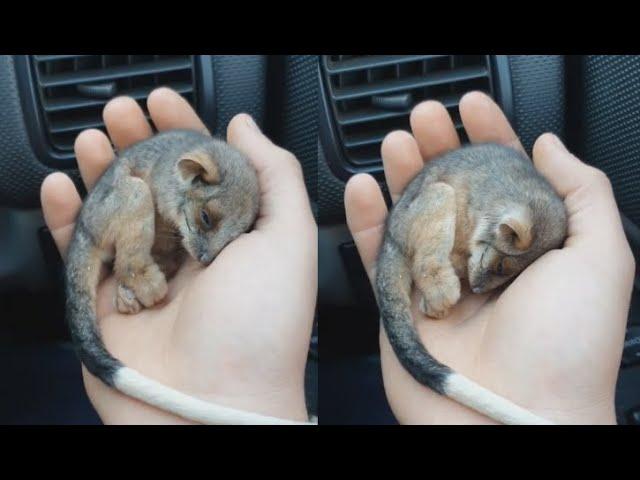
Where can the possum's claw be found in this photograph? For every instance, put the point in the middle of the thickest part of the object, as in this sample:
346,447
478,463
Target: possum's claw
126,300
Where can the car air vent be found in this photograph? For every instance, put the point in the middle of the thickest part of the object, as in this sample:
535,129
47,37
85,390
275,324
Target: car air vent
73,89
370,95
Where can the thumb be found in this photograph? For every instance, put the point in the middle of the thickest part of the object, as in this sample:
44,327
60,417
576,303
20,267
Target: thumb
284,200
594,219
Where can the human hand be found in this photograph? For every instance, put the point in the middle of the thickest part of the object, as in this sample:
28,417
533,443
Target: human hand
235,333
550,342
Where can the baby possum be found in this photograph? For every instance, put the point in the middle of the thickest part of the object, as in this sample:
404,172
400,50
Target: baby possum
179,192
480,215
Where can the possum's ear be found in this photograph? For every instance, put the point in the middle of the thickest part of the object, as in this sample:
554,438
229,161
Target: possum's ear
515,229
198,165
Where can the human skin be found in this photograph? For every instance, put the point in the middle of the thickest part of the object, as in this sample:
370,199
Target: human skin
234,333
552,340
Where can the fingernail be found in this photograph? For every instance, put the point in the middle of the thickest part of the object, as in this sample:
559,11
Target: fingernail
252,124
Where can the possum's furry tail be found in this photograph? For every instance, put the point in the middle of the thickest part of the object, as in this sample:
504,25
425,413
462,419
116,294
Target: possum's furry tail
393,284
83,272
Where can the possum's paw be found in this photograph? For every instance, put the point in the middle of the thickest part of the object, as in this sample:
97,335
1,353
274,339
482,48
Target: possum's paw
149,286
126,301
440,293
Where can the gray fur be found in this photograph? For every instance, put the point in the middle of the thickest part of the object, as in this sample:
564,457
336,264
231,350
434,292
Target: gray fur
394,305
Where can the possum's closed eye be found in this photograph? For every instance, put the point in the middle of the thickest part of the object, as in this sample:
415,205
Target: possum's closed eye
505,266
206,220
500,268
208,217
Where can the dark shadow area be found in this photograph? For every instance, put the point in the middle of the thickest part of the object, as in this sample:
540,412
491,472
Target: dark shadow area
42,385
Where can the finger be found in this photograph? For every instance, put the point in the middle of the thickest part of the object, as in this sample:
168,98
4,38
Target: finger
60,205
94,153
284,198
594,219
125,122
366,213
485,122
433,129
563,170
402,161
169,110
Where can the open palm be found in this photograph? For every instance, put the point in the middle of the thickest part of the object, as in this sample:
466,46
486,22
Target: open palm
235,333
551,341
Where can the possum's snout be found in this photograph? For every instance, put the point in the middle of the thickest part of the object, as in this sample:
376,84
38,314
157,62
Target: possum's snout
205,258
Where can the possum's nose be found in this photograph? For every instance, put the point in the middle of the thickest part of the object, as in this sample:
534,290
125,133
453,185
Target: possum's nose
205,258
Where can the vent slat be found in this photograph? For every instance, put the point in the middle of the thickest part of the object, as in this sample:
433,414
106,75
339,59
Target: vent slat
71,103
372,61
392,86
48,58
79,125
112,73
73,125
364,139
369,115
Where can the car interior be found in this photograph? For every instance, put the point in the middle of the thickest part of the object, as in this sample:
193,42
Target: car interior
45,101
591,102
